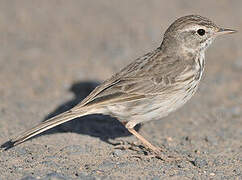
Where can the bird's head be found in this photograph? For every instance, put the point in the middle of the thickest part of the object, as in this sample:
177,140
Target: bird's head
192,33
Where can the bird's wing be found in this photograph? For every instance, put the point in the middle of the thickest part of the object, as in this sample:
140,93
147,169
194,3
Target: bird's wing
149,75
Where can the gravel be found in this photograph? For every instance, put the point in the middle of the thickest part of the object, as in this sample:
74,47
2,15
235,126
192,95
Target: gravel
54,53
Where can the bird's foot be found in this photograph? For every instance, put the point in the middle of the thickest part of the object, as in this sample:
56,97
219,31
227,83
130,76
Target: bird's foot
123,145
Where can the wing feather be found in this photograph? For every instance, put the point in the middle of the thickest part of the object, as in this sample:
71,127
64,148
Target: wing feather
149,75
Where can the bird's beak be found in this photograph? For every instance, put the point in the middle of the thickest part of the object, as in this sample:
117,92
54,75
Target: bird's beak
222,31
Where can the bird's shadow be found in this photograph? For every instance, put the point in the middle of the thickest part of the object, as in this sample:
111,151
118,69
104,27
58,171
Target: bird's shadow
96,125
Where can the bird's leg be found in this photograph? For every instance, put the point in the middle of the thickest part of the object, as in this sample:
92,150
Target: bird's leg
130,126
158,151
144,141
122,144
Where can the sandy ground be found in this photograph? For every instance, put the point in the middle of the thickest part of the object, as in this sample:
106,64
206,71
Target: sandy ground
53,53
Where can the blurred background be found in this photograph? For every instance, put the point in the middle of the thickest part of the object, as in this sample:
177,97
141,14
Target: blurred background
46,47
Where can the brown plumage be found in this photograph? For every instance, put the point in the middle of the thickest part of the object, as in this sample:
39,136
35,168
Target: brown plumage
152,86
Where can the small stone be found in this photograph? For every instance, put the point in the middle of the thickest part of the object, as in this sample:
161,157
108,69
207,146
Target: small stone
156,178
107,165
28,178
74,150
212,140
219,161
55,176
49,164
83,176
21,152
199,162
118,152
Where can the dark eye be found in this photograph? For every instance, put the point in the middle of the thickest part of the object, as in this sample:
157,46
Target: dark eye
201,32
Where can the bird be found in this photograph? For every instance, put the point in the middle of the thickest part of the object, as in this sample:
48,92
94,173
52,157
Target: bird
150,87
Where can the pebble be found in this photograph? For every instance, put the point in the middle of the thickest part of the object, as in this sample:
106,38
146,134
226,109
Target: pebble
28,178
211,139
21,151
50,164
156,178
74,150
55,176
199,162
107,165
117,152
86,177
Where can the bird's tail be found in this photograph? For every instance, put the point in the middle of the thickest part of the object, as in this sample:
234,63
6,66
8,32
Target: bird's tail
52,122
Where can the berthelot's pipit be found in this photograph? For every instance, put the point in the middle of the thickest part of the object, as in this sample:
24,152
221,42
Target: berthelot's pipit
150,87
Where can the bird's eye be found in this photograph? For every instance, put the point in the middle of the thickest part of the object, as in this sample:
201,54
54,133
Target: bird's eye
201,32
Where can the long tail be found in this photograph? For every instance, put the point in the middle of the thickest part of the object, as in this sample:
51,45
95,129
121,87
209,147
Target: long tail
52,122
